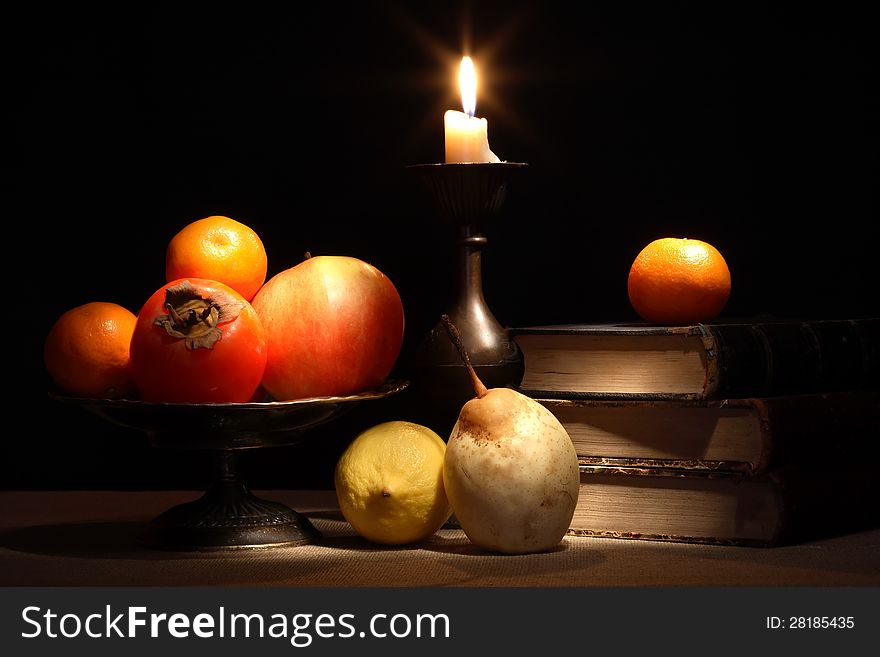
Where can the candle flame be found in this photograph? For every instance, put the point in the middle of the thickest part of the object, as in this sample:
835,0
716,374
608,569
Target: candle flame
467,82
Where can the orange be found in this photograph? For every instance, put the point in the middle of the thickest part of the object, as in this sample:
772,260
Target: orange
219,249
676,281
86,351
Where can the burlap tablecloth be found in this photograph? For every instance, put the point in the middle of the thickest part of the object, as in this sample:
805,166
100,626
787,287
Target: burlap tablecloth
90,539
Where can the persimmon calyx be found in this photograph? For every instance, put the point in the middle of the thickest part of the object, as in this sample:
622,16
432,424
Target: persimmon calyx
191,317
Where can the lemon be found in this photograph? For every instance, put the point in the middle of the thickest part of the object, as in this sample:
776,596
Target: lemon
389,483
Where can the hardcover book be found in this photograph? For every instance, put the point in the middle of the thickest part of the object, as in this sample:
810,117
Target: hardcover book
783,506
747,358
748,435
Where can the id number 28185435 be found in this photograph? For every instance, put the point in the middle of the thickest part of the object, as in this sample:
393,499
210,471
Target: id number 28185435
810,623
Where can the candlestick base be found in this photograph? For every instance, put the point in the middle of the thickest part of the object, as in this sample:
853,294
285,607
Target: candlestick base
468,196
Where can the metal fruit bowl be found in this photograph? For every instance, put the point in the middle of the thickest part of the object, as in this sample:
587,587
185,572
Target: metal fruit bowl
231,426
228,515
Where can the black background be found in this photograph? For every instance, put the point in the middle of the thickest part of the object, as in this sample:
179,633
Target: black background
753,128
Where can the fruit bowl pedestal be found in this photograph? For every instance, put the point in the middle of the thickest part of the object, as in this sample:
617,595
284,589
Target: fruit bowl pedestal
228,515
468,197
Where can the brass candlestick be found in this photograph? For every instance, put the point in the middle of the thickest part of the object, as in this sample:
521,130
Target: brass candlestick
468,196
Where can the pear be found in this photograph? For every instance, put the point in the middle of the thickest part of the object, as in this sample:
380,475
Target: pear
510,469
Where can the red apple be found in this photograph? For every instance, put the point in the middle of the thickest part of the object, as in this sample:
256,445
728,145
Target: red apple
334,326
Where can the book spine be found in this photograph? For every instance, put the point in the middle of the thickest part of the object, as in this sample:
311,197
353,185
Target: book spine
821,502
753,360
827,427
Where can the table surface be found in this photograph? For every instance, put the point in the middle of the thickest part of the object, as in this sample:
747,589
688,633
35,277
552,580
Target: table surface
90,538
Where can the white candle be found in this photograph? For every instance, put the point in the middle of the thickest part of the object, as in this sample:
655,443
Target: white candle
467,137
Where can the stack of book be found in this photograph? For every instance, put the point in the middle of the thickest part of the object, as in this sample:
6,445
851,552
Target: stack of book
748,433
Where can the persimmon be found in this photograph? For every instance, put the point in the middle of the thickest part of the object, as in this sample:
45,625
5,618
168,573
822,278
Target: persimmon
198,341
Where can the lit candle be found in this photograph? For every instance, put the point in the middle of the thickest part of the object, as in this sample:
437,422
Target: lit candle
467,138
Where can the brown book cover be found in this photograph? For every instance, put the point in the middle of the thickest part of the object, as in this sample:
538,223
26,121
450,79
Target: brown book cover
743,358
787,505
749,435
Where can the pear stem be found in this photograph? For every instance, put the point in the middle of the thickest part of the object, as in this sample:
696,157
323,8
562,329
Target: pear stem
479,387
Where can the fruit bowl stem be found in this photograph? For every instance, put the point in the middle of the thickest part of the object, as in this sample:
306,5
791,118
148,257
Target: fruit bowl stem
229,516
